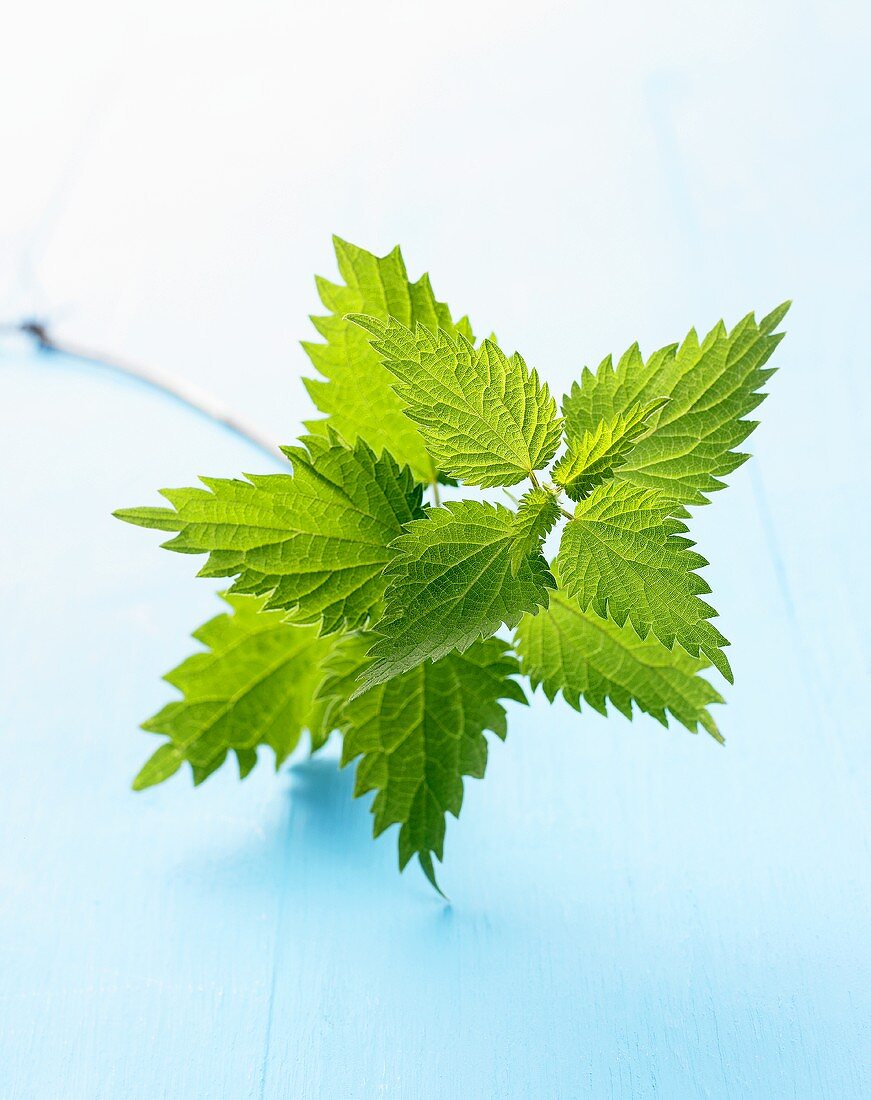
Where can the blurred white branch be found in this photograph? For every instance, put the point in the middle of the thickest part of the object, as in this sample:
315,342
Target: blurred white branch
180,390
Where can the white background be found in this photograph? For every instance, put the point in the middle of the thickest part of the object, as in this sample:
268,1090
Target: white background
574,176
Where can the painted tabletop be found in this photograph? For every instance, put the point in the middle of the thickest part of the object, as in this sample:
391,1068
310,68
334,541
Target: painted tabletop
635,912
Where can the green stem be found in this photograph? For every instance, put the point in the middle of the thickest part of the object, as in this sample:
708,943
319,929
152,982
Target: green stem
434,482
537,484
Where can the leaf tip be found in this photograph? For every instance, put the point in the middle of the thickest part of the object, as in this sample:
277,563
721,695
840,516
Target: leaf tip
425,859
162,764
364,321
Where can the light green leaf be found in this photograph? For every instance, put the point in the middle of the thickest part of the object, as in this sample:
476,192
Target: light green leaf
318,728
581,654
450,584
536,515
254,685
712,386
355,391
486,419
624,556
600,451
161,765
419,735
314,543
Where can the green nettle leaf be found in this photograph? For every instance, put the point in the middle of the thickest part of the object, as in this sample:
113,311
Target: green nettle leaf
712,386
357,609
594,457
450,584
537,513
161,765
254,685
318,729
419,735
315,543
486,419
625,556
576,652
355,391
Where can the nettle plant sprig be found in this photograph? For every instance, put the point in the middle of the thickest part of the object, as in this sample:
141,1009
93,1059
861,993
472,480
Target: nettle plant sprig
358,608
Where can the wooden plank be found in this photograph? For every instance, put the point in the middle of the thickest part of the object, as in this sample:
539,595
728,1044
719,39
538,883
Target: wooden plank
636,911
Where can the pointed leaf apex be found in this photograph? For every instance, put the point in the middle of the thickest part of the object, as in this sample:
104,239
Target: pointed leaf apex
426,864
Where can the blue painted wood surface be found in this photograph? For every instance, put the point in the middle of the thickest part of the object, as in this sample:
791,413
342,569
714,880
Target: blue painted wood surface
635,912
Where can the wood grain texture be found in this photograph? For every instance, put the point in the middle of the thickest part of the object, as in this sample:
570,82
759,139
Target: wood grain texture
635,912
